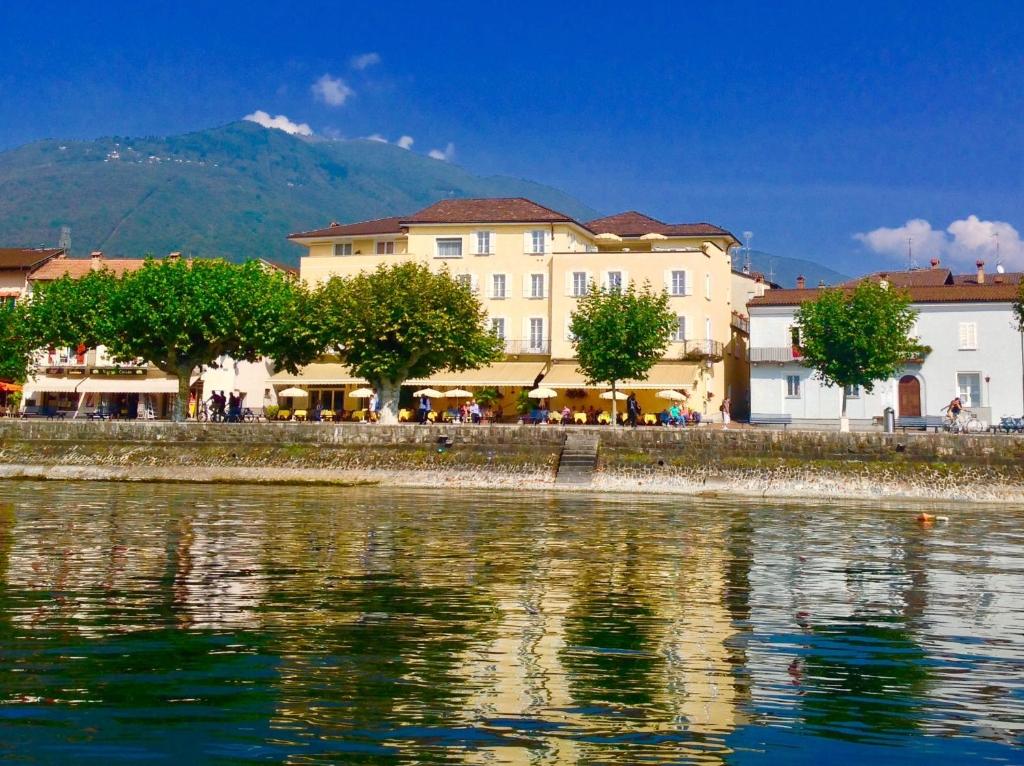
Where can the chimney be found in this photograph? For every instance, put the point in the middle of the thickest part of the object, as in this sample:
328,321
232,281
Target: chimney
821,283
175,256
935,263
96,260
801,283
981,271
998,279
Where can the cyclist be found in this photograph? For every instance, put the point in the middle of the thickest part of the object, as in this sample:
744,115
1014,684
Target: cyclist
954,408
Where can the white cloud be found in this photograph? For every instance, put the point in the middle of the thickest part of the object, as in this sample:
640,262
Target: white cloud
377,137
445,154
280,122
364,60
405,142
962,243
333,91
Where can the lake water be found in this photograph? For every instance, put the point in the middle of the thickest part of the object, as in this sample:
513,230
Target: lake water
235,624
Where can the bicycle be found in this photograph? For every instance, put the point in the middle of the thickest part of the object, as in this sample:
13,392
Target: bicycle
965,423
206,414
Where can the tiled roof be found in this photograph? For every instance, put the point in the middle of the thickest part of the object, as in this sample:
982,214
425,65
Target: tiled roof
390,225
950,293
26,257
1009,278
915,278
488,210
79,267
634,224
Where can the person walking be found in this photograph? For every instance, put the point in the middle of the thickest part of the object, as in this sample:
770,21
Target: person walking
632,409
424,409
724,408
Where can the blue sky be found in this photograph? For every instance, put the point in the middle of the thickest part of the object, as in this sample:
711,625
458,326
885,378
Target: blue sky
808,127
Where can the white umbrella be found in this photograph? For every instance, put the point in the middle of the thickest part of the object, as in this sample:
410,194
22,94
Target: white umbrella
292,392
609,237
653,235
430,393
361,393
619,396
458,393
542,393
672,396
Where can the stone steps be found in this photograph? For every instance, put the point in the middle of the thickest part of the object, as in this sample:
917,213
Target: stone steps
578,460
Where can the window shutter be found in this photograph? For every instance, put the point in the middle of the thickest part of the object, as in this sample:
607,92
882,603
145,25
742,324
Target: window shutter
569,281
668,281
687,284
527,241
625,280
494,242
548,241
526,285
474,285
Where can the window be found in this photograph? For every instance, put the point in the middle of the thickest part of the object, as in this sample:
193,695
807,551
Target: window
536,334
466,280
968,386
386,247
707,329
343,248
449,247
794,337
498,326
677,283
579,283
536,285
614,280
793,386
707,286
968,336
680,332
483,243
498,285
852,392
537,241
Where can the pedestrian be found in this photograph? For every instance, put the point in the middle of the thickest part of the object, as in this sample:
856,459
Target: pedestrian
632,409
424,409
726,414
474,410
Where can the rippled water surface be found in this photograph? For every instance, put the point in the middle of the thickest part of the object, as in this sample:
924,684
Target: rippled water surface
195,624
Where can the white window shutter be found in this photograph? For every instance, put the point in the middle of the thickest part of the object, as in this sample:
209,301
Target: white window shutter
668,281
964,335
568,331
604,280
687,284
548,241
474,285
494,242
526,285
568,283
527,241
625,281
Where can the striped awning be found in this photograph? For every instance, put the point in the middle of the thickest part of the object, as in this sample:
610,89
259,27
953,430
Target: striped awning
677,375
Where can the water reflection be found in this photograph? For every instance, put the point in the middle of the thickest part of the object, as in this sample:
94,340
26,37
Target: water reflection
216,624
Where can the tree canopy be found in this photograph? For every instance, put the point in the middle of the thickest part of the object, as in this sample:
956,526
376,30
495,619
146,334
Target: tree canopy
620,334
14,344
857,337
404,321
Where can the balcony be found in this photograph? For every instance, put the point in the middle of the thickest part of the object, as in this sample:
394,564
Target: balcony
703,350
516,347
63,358
774,354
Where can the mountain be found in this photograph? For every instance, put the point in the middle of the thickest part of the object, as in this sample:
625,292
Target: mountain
784,271
234,191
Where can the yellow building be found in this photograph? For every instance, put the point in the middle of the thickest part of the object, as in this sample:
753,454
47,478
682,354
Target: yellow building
529,264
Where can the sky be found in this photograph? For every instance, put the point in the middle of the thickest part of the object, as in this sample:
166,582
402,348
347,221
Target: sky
832,132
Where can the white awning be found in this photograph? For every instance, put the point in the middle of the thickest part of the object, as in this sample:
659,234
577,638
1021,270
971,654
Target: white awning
498,374
47,384
679,375
99,385
319,374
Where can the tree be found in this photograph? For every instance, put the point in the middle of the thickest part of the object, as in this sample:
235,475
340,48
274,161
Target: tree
14,345
620,334
180,316
857,337
404,321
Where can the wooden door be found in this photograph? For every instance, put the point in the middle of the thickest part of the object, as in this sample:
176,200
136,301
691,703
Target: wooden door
910,397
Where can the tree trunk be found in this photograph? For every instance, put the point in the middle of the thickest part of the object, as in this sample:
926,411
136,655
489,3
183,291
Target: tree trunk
844,422
615,419
388,393
184,384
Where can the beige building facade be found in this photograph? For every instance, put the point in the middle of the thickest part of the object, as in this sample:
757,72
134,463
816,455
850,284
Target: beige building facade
529,264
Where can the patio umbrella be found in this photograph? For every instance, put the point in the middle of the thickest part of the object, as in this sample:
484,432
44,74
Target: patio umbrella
619,396
653,235
458,393
9,387
430,393
361,393
542,393
293,392
672,396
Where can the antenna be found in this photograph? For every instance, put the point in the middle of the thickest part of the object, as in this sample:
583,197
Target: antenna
65,239
771,271
747,265
999,257
910,254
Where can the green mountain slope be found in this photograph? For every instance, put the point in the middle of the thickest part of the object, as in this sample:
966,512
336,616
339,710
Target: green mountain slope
234,191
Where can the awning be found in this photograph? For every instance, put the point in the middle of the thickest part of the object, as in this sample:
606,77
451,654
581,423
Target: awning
498,374
102,385
664,375
46,384
318,374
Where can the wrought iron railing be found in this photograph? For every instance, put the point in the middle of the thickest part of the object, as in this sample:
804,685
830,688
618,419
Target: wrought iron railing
698,350
527,346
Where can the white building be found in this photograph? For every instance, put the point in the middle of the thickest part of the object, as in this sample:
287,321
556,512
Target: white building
967,321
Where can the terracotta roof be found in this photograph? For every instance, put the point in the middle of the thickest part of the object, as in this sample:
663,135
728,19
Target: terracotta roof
390,225
634,224
949,293
488,210
26,257
79,267
1008,278
914,278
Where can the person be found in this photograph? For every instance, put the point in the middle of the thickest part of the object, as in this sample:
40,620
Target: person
566,415
474,410
192,405
674,414
424,408
724,409
234,408
632,409
372,406
592,415
954,408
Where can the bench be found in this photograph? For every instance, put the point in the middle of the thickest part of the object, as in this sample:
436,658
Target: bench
921,422
763,419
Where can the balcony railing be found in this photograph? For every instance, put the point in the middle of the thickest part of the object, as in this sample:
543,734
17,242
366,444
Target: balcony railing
63,357
703,350
774,354
528,346
740,323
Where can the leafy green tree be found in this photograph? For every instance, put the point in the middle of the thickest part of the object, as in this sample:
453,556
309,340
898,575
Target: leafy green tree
857,337
404,321
620,334
69,312
14,345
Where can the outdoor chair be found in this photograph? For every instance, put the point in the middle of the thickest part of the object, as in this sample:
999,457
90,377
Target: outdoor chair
579,418
301,415
404,416
604,418
432,416
327,415
358,416
650,419
554,417
284,414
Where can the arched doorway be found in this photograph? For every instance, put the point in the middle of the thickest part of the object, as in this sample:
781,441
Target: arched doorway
910,397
